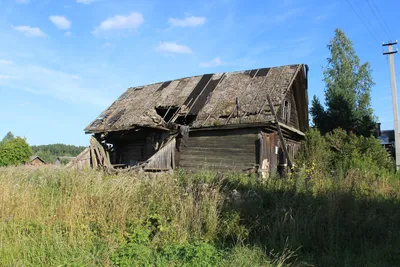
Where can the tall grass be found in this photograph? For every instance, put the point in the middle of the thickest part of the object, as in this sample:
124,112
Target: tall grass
52,217
62,217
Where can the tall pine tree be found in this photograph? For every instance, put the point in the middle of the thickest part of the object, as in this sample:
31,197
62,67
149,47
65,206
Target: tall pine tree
347,91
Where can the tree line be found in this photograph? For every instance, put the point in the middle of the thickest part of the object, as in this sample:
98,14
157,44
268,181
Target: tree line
49,153
16,151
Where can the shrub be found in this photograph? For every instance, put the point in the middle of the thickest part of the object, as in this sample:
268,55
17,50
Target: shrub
14,152
339,152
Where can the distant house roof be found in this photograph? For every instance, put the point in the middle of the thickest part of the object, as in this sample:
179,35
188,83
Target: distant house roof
389,134
212,98
384,140
32,158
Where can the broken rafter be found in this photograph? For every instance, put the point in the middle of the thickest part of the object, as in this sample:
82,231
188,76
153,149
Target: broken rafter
98,155
177,111
244,112
276,81
166,113
244,91
219,82
202,90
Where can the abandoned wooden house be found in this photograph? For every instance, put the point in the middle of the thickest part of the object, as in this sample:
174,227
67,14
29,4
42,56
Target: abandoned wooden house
252,119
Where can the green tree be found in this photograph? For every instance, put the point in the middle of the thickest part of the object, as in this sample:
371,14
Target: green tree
347,91
58,150
9,136
14,152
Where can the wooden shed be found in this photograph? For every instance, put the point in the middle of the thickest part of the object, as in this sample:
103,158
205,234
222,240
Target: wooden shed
35,161
253,119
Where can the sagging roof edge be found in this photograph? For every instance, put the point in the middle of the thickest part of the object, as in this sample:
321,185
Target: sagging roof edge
128,128
222,127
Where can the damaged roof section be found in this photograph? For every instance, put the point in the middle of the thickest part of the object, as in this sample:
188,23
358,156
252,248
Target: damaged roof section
213,99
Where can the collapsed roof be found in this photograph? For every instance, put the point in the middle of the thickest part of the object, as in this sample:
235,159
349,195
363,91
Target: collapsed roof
210,100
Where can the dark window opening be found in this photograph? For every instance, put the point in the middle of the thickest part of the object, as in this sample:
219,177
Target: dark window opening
185,120
286,111
166,112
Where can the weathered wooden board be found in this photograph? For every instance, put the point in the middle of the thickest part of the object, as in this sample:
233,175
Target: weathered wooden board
220,150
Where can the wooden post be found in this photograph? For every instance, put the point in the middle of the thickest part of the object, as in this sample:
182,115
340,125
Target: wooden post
279,132
93,157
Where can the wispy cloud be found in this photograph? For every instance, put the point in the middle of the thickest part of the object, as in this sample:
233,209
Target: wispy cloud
120,22
68,34
172,47
191,21
283,17
213,63
86,2
61,22
8,77
22,1
52,83
6,62
30,31
106,45
321,17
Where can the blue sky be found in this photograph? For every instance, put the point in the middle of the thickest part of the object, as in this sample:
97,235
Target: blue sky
63,62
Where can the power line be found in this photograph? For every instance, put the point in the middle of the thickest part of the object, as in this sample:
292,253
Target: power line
363,22
369,22
377,18
384,22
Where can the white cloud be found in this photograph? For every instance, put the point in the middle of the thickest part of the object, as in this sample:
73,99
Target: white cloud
6,62
106,45
173,48
22,1
120,22
61,22
30,31
68,33
86,2
187,22
213,63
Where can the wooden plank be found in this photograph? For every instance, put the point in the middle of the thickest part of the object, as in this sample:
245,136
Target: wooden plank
214,166
218,145
233,150
291,129
214,153
220,159
279,132
234,137
93,157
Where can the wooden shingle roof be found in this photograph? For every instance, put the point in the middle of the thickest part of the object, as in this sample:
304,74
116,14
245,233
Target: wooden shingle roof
215,99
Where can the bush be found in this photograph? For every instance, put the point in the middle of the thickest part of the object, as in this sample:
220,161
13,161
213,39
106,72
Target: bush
14,152
339,152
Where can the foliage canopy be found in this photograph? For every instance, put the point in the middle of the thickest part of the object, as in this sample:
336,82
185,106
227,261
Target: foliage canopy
14,151
347,91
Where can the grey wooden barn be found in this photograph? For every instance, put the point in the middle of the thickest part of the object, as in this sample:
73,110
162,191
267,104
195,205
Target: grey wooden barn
245,120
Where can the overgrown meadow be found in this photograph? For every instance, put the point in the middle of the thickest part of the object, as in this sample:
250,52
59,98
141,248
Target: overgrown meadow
339,207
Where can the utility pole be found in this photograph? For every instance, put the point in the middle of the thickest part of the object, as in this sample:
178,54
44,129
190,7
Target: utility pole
390,53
